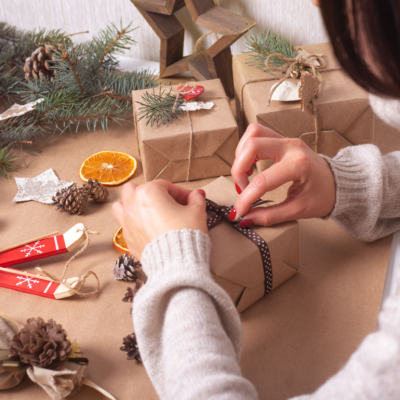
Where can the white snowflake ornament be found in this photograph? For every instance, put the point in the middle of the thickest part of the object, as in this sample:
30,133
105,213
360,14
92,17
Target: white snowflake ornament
40,188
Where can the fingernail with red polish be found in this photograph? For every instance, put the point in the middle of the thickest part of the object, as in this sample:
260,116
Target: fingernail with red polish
238,188
246,222
202,192
232,214
255,161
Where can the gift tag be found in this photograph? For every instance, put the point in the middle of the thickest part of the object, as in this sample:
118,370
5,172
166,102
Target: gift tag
287,91
197,91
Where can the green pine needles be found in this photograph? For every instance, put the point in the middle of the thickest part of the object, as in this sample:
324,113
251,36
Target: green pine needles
85,88
266,44
6,163
159,108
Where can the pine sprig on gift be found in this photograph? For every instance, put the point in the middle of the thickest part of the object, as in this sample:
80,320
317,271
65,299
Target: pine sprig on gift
266,44
85,89
6,162
159,108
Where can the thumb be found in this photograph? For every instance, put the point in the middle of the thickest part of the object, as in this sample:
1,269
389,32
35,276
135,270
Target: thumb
197,198
286,211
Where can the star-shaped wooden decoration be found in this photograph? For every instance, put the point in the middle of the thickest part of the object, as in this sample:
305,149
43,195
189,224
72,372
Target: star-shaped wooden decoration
216,61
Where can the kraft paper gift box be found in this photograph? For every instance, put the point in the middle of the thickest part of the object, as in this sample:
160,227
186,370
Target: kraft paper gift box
236,262
344,114
165,149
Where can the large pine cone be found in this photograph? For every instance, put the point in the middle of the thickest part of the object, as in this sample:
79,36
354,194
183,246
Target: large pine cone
125,269
97,191
72,200
40,343
38,64
130,345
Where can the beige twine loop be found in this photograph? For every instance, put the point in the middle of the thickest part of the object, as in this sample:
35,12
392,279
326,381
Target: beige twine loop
200,39
81,281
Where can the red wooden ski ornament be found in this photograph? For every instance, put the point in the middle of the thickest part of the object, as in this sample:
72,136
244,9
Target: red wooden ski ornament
34,283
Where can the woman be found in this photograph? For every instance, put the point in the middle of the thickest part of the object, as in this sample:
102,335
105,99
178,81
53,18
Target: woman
187,328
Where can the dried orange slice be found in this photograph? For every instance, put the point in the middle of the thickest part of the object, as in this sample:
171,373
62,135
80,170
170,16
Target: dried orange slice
119,241
110,168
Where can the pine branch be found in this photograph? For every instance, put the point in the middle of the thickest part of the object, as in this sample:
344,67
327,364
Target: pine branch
120,34
266,44
159,108
6,163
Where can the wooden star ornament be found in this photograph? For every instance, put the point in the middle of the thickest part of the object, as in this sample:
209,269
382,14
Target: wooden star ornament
216,61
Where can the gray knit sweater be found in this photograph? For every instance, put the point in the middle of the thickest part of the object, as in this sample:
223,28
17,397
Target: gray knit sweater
189,332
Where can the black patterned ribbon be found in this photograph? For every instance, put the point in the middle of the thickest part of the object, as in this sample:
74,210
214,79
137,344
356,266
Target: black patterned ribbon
222,212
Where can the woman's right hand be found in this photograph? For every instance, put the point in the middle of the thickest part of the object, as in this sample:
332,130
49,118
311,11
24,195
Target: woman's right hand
312,193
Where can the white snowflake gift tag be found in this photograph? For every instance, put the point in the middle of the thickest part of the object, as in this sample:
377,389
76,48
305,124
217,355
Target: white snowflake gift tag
19,109
40,188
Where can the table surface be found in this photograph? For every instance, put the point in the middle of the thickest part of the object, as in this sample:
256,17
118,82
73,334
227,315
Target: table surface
294,339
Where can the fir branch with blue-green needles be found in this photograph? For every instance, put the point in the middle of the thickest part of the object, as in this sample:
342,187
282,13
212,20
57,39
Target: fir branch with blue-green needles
77,84
6,162
265,44
160,108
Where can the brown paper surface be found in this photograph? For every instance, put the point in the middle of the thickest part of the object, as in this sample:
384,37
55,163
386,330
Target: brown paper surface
294,339
236,259
342,106
165,149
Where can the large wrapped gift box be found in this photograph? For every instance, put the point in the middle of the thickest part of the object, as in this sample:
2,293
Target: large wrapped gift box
165,149
344,114
236,262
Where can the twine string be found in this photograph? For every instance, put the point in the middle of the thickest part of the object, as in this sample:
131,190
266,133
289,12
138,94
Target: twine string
200,39
81,281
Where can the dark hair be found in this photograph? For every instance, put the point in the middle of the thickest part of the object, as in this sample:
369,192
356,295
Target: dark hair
365,35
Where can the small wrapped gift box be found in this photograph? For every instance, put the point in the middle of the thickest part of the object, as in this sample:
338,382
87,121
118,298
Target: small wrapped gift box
249,263
165,150
344,115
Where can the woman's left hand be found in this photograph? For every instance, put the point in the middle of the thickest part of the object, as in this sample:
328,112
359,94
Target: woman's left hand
150,210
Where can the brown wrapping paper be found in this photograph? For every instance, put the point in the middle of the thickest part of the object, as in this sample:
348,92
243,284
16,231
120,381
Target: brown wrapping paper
344,114
165,149
294,339
236,261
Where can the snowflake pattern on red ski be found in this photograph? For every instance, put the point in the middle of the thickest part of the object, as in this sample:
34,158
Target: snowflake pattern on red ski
28,248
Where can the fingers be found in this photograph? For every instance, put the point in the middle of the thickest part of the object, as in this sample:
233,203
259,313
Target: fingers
256,130
117,211
270,179
178,193
196,199
288,210
260,148
128,191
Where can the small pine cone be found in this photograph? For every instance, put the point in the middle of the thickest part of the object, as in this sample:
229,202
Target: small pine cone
72,200
130,345
125,269
39,63
40,343
97,191
131,293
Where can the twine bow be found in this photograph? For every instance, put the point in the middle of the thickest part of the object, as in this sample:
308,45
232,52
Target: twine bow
76,289
302,61
222,213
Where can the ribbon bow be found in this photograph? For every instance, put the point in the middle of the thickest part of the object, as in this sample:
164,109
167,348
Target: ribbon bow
222,212
303,60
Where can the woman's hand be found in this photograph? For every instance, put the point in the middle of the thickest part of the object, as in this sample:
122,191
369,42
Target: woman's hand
312,193
150,210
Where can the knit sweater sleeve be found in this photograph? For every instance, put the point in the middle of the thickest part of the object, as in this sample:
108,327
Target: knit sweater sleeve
367,191
187,328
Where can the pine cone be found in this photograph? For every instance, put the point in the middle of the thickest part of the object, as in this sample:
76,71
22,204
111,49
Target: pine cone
130,345
131,293
97,191
72,199
40,343
38,64
124,269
